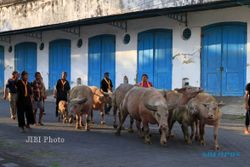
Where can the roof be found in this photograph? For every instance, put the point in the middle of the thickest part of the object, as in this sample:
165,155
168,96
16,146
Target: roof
133,15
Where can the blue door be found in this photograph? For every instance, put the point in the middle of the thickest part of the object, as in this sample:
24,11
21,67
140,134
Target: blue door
1,67
224,59
155,57
101,59
59,60
26,58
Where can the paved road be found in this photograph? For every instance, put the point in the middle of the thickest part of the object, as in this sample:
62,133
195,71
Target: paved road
101,148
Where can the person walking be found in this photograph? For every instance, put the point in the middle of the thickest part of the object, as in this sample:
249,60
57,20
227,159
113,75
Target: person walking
10,93
24,103
39,95
62,90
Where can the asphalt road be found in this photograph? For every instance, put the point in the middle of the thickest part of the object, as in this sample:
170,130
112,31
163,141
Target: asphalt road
101,148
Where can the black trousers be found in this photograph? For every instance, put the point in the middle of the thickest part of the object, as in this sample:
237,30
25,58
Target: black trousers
25,109
247,118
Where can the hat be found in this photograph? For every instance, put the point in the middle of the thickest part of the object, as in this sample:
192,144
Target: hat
106,73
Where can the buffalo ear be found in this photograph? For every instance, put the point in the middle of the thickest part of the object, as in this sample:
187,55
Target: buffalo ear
83,100
221,104
205,105
78,100
201,90
180,90
151,107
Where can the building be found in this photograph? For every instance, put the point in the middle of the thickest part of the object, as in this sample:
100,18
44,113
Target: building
206,42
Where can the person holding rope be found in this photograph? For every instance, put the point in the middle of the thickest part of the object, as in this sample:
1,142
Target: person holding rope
106,86
62,90
24,103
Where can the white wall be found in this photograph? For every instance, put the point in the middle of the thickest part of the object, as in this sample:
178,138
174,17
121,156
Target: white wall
16,15
186,53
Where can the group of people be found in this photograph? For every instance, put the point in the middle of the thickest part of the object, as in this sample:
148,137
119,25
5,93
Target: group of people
25,98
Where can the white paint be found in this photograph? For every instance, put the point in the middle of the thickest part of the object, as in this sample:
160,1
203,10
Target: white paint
126,55
19,15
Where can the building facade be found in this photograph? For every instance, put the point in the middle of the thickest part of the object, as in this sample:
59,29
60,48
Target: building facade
205,44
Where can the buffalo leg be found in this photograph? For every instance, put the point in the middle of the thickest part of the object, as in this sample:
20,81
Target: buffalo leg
216,144
184,128
192,131
147,139
114,108
202,131
138,125
130,129
197,130
123,115
77,121
80,121
86,120
102,114
170,126
92,116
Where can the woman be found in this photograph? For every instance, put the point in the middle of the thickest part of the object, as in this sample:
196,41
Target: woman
145,83
24,103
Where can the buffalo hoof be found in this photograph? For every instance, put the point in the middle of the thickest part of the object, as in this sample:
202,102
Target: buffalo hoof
188,142
115,126
216,147
87,127
78,128
130,130
146,141
141,135
103,123
92,122
196,138
118,133
163,143
202,142
122,128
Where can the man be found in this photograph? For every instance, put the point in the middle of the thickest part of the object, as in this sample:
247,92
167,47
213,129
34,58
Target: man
10,92
39,95
106,83
247,104
62,90
24,102
145,83
106,86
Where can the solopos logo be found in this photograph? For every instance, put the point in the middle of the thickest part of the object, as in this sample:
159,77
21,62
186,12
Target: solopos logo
220,154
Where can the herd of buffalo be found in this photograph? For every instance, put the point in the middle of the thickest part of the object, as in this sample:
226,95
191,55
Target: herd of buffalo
189,106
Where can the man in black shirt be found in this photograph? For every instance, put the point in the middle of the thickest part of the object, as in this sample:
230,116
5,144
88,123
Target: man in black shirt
106,86
62,90
247,104
10,92
106,83
24,102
